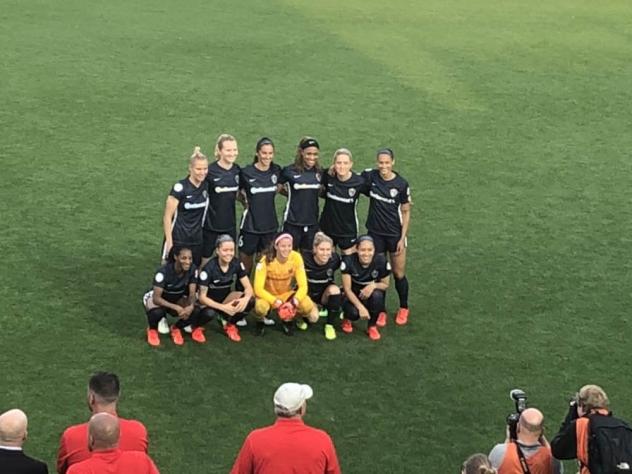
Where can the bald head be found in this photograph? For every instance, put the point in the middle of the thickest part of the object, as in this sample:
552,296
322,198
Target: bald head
104,431
13,425
531,421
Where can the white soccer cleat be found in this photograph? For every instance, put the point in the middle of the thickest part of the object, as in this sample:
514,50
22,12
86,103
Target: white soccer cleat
242,323
163,326
188,329
268,322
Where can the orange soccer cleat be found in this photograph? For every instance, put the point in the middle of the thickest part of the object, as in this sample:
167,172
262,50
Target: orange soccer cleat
402,316
198,335
373,333
232,332
176,336
381,319
346,326
153,339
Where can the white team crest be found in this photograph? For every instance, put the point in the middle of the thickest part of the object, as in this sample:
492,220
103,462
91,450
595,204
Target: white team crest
274,179
374,274
352,192
394,192
203,275
159,277
178,187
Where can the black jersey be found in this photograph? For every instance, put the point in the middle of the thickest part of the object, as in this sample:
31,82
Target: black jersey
189,218
174,286
362,276
218,282
320,276
223,185
303,189
339,217
260,188
384,217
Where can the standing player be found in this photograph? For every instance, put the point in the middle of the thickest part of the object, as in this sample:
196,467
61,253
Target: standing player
216,279
302,184
365,279
185,210
173,293
281,284
387,222
223,185
320,266
339,219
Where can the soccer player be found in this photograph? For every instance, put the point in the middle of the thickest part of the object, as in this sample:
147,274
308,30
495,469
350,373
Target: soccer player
223,185
173,293
215,281
185,210
258,184
302,181
281,284
342,188
365,279
387,222
320,267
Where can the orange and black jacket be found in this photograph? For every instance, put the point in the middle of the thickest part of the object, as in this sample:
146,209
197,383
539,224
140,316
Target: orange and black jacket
571,442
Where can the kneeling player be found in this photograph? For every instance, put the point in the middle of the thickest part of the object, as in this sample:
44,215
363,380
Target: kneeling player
320,266
365,278
216,279
173,293
281,284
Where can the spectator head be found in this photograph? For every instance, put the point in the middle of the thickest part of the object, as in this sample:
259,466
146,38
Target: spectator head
103,432
290,399
477,464
13,424
530,425
592,397
103,391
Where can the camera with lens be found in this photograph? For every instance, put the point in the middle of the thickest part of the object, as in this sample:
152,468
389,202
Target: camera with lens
520,399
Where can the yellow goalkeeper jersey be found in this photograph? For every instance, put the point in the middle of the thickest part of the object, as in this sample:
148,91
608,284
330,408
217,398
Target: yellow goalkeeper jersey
273,279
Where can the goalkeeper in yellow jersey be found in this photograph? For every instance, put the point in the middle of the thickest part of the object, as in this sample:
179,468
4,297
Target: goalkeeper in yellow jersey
281,284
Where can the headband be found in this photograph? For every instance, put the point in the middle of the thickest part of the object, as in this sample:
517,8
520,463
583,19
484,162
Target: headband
264,141
385,151
282,236
308,142
365,238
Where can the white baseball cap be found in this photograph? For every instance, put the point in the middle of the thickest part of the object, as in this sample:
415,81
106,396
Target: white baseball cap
290,396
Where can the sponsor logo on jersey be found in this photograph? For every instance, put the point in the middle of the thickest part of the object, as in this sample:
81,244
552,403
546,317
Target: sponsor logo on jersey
274,179
159,277
225,189
194,205
269,189
339,199
381,198
306,186
178,187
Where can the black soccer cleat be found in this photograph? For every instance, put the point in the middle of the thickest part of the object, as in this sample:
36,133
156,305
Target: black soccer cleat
288,328
260,328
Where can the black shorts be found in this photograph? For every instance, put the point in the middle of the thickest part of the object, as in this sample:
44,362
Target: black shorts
210,239
316,294
344,243
251,244
196,251
303,235
385,243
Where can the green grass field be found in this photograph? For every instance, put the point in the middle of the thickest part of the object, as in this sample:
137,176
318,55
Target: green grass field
511,121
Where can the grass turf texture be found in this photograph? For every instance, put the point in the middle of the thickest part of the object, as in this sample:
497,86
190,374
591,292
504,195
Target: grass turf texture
511,122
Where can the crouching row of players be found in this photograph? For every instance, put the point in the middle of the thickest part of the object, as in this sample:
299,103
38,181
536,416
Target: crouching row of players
286,283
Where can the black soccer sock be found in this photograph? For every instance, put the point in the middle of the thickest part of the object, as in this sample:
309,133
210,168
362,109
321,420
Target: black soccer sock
401,285
154,316
375,305
333,308
203,316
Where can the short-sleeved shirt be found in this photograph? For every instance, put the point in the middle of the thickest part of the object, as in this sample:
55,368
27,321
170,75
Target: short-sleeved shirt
113,461
219,282
362,276
174,286
260,188
386,199
190,214
303,191
223,186
287,447
73,445
319,276
339,217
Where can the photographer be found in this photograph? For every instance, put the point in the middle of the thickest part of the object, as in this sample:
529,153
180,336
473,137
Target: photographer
529,452
599,441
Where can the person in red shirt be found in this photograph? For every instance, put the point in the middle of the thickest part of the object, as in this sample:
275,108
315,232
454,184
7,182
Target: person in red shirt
103,438
289,445
103,395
